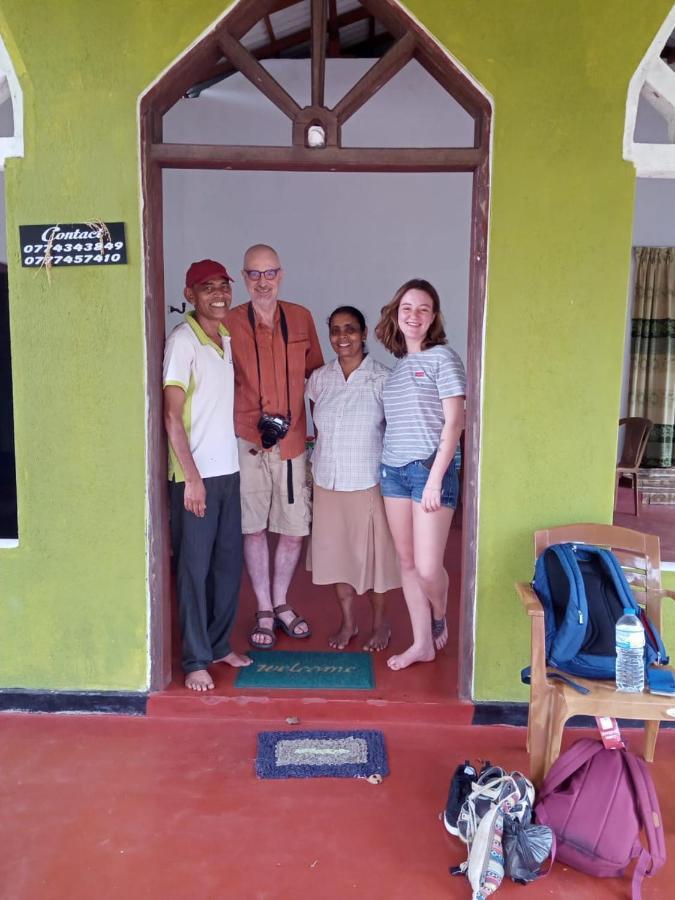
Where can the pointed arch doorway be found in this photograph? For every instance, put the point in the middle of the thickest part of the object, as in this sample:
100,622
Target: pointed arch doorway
315,145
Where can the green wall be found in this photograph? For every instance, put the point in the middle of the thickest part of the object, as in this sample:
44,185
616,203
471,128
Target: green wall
73,609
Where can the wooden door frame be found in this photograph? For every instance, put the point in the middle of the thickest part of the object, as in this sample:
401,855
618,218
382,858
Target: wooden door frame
411,42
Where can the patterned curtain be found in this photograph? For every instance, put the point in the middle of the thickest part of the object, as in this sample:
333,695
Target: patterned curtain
652,375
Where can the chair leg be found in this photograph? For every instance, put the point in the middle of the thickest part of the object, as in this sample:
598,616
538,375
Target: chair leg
537,736
635,494
556,726
651,734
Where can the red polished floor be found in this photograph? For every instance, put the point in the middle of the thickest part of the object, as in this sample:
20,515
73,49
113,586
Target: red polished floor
422,691
170,809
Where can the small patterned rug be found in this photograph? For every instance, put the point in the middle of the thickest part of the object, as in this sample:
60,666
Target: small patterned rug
307,670
321,754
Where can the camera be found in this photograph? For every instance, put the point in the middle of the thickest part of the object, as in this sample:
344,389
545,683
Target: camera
272,428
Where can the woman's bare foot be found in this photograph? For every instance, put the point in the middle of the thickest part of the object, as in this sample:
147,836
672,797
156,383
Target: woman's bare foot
236,660
341,638
411,655
199,681
379,639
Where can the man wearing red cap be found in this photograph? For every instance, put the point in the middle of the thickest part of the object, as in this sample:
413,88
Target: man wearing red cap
275,349
204,474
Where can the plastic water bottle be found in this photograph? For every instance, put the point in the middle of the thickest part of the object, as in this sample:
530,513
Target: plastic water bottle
630,653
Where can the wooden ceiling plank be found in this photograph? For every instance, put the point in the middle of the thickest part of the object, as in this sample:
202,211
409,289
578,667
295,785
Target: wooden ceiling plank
271,35
244,16
383,12
249,66
318,51
327,159
376,77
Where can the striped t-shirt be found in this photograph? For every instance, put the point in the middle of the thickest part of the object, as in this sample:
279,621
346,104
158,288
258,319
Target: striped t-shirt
412,403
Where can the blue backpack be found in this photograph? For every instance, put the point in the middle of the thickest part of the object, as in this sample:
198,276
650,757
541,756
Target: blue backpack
584,592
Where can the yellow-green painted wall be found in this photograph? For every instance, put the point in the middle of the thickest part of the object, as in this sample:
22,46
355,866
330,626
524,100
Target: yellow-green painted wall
73,607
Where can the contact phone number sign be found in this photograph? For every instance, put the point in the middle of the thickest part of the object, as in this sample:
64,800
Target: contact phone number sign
73,244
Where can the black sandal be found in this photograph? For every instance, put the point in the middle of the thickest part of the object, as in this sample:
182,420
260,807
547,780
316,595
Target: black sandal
260,629
290,629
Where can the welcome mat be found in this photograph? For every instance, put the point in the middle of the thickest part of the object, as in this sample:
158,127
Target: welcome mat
321,754
306,670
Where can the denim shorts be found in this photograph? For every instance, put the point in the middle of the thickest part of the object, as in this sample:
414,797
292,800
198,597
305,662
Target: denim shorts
409,481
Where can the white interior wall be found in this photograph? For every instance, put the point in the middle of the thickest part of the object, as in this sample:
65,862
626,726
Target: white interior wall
342,238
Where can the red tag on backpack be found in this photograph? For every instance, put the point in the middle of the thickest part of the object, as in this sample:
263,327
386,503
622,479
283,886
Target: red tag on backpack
609,732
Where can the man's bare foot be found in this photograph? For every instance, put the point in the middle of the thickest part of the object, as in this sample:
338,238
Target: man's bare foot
236,660
408,657
341,638
439,632
199,681
379,639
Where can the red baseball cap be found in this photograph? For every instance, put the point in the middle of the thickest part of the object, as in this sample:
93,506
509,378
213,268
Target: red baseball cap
201,271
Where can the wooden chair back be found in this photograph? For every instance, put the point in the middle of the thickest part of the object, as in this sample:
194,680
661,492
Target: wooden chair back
635,441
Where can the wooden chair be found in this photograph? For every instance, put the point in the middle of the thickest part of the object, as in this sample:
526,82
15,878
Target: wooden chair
553,702
634,446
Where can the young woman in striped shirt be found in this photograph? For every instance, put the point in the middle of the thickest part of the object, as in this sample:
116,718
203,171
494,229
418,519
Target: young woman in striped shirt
424,409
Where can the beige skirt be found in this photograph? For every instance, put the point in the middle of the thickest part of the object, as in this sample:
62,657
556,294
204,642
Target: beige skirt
351,542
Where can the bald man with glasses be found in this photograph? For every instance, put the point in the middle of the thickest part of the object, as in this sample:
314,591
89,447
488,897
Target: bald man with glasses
275,348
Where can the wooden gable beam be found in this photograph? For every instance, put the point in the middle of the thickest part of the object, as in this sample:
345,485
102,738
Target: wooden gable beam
223,68
318,51
327,159
378,75
249,66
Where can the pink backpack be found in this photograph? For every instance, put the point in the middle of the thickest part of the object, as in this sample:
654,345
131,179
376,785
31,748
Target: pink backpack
597,802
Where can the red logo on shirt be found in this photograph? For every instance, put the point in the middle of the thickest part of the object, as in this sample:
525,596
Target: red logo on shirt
420,374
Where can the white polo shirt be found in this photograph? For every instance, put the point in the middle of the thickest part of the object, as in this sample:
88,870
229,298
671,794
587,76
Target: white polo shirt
193,362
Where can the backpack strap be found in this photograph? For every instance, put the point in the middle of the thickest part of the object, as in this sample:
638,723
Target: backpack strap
571,634
526,678
656,651
613,568
567,764
650,815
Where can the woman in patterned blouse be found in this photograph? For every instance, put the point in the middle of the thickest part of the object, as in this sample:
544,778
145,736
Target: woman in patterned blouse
351,546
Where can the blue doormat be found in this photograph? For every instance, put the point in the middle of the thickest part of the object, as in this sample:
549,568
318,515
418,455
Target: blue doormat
321,754
305,670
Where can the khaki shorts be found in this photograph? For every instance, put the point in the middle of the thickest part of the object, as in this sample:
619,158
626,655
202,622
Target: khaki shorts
264,492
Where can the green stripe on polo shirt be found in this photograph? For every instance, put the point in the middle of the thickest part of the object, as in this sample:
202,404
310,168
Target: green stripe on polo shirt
176,472
202,336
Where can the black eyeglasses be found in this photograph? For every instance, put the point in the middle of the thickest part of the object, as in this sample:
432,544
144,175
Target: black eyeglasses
257,274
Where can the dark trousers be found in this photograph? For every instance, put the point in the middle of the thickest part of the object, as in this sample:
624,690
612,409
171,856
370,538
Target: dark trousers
208,555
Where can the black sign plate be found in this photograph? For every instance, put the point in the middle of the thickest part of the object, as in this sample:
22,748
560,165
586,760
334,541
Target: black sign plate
73,244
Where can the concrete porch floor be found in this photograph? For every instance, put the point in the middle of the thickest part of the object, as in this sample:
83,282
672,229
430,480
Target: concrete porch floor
109,808
168,805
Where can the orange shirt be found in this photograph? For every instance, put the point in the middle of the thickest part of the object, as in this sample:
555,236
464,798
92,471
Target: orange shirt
304,355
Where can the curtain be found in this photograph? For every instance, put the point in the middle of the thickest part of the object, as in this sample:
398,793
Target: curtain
652,373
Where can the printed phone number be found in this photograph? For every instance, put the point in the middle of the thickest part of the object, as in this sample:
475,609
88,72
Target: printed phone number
72,254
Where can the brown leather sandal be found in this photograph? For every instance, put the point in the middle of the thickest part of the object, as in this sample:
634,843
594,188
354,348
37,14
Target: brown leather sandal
260,629
290,628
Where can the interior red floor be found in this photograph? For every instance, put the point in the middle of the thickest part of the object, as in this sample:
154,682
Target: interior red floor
422,690
653,518
123,808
